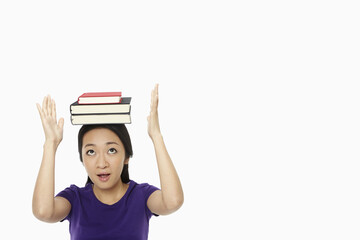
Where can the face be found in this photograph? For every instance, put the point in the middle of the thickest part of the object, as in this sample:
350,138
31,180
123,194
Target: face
103,157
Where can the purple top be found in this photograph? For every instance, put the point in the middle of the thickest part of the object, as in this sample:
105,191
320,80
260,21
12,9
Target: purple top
126,219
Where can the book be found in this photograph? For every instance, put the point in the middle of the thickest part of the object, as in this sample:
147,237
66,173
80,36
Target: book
101,119
100,98
123,107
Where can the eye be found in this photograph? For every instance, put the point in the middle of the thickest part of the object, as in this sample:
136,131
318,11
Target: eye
90,152
112,151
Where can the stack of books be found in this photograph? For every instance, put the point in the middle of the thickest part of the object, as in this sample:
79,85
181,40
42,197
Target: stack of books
101,108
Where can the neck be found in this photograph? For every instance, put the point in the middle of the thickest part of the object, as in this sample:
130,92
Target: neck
111,195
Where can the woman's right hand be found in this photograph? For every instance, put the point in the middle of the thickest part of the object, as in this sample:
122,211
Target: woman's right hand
53,129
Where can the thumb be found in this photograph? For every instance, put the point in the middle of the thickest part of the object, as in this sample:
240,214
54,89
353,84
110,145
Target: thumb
61,123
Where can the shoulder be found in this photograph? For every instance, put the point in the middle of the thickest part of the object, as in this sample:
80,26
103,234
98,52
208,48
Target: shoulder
72,192
74,188
144,189
141,186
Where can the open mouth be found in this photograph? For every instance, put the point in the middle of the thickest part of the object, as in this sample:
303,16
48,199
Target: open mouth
104,177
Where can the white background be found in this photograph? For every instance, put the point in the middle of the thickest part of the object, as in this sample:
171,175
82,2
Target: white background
259,108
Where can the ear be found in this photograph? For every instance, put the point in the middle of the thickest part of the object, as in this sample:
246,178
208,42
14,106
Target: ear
126,161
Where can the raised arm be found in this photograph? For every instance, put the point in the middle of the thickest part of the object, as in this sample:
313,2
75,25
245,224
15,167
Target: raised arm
45,207
171,196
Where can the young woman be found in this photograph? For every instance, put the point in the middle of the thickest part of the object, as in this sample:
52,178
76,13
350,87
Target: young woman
110,206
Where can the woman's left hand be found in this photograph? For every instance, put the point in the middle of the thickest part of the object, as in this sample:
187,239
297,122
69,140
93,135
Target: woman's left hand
153,118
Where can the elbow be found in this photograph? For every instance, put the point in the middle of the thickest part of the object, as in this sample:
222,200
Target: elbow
43,215
175,204
179,202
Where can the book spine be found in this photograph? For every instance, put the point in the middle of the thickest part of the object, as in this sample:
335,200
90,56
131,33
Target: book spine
98,103
98,114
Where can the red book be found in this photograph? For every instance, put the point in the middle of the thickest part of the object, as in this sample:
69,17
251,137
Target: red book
100,98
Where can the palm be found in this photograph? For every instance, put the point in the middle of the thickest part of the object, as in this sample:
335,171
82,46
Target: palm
53,130
153,118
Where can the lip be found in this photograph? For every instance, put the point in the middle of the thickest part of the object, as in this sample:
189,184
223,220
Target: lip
104,177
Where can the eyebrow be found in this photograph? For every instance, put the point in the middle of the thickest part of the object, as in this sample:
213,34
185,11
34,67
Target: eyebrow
92,145
108,143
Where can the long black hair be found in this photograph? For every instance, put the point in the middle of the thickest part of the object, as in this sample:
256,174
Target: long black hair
121,131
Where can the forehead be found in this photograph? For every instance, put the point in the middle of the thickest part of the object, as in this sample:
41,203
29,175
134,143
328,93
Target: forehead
100,136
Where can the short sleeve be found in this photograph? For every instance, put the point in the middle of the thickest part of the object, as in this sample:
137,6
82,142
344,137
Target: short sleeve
70,194
147,190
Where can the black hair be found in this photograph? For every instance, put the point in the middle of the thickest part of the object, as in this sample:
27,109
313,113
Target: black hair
123,134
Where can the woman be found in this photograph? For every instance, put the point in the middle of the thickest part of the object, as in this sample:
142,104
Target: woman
110,206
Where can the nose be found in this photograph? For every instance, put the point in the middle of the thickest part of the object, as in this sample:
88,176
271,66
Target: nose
101,162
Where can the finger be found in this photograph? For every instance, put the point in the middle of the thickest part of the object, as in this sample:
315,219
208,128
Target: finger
155,101
153,106
53,109
44,106
61,123
157,89
39,109
49,105
156,93
152,94
154,98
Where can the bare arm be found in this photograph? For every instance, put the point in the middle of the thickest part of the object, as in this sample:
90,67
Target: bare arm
171,196
45,207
